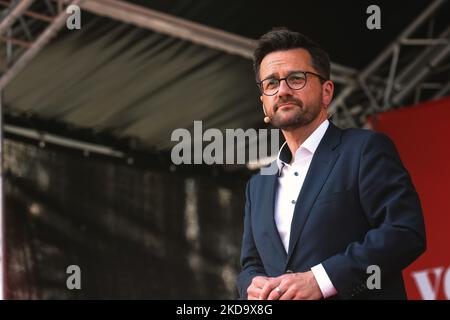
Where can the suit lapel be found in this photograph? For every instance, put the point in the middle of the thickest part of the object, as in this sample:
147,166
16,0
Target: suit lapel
321,165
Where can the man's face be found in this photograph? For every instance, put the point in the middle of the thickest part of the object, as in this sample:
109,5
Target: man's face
289,109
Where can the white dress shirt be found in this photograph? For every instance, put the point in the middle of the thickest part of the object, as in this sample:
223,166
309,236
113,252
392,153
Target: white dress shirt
292,173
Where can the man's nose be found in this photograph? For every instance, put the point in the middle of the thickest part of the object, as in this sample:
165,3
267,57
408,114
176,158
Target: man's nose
283,89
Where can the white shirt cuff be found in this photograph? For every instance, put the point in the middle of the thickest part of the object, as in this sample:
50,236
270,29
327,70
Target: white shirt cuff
324,282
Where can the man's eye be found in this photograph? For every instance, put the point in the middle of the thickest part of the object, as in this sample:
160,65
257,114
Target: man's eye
271,83
296,78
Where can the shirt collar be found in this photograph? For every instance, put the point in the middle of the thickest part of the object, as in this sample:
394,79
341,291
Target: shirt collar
309,145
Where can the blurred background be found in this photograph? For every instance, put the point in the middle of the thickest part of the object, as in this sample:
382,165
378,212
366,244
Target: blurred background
87,117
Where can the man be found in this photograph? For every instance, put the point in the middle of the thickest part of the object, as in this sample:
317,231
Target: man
341,201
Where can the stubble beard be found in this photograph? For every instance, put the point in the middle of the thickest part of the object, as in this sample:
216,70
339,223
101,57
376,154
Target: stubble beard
300,117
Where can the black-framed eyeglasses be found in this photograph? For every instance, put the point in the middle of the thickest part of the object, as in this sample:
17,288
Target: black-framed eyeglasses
295,80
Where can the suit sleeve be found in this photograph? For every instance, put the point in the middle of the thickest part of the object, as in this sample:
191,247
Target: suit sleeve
392,208
250,261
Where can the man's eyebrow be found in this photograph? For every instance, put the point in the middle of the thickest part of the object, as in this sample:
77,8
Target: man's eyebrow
272,75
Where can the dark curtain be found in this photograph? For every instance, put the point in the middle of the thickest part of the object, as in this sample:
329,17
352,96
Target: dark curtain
134,232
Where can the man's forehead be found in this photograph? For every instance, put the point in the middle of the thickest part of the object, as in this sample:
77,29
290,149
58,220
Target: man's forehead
289,59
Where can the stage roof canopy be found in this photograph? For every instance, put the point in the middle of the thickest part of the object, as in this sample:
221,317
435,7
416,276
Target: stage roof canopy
129,82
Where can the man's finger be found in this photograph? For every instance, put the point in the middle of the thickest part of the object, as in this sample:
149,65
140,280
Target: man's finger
288,295
276,293
268,287
254,291
259,281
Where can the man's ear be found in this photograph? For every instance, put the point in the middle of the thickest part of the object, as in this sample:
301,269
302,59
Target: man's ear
327,92
261,98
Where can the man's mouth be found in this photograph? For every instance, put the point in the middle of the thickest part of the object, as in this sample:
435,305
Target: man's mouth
285,106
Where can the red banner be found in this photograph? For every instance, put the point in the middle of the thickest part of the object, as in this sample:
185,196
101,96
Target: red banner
421,134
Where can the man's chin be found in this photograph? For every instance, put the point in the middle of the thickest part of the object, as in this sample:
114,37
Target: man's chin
292,125
289,127
289,124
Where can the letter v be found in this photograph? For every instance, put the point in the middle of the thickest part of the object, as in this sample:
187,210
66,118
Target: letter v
427,291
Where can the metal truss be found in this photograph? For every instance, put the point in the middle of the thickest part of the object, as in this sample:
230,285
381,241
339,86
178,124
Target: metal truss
414,67
26,27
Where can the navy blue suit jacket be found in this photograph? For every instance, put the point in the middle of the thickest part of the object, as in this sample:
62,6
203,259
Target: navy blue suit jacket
357,207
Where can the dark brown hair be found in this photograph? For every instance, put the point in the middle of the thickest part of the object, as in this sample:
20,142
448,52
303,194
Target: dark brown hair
280,39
